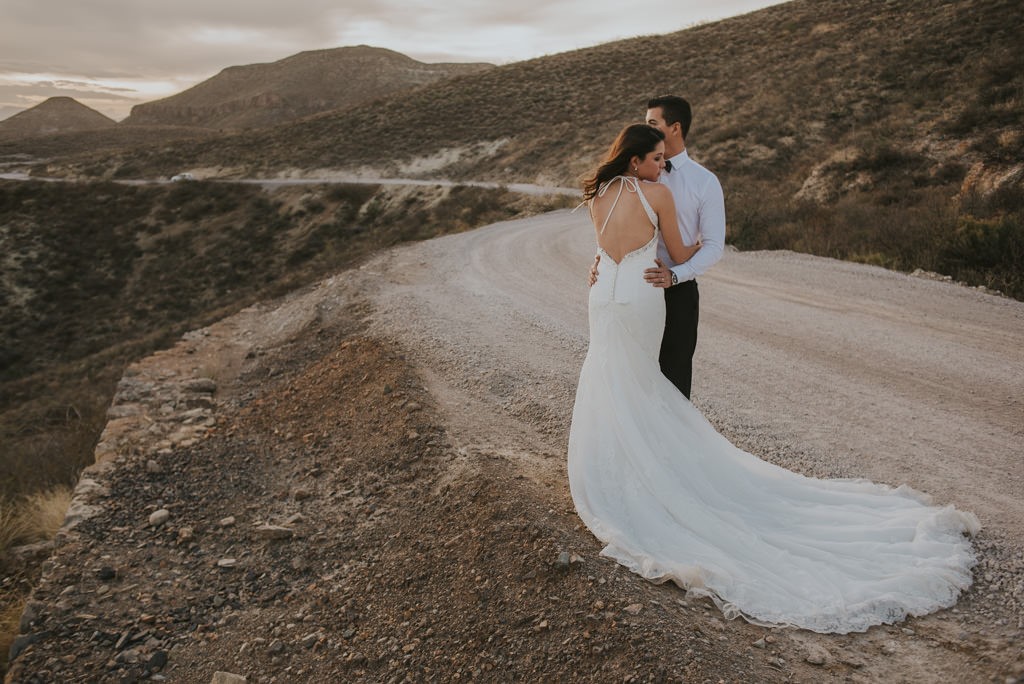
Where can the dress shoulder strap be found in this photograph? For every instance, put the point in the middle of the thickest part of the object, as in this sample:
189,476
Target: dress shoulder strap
651,214
632,185
611,209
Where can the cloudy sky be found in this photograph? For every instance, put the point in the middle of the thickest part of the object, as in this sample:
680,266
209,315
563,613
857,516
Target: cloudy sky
112,54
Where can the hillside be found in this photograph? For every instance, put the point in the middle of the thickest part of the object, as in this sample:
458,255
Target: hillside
97,274
777,93
52,116
888,133
307,83
95,144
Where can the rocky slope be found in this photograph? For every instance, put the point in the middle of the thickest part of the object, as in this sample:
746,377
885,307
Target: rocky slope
304,517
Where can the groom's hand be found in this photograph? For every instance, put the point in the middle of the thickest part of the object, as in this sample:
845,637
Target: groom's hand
660,276
593,270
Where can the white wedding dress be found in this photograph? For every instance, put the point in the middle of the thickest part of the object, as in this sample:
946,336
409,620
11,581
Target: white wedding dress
673,500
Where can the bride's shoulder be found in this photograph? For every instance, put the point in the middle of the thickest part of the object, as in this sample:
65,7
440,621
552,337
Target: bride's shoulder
655,189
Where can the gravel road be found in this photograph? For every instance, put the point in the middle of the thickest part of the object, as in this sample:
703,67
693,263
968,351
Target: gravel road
829,368
834,368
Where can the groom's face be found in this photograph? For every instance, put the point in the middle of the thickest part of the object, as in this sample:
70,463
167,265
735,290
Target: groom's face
656,119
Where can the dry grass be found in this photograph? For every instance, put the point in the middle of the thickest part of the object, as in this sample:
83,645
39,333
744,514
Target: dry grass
11,607
12,525
46,511
29,518
33,517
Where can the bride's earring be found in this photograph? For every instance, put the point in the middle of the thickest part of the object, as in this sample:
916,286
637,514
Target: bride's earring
636,172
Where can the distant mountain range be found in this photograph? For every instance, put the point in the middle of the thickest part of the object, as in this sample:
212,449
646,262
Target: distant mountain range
55,115
239,97
307,83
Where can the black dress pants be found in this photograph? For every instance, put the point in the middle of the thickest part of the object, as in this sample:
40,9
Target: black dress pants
682,306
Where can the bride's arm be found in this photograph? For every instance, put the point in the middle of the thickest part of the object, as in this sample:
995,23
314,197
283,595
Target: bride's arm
662,203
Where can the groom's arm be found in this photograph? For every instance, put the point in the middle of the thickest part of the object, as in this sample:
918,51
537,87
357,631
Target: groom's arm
712,232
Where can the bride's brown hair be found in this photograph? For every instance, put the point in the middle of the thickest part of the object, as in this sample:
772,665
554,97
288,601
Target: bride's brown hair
635,140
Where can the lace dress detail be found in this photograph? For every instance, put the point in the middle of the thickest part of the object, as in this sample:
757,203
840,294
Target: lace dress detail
673,500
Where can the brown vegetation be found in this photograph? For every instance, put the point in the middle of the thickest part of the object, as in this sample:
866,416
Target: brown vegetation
33,518
19,151
28,519
99,274
813,114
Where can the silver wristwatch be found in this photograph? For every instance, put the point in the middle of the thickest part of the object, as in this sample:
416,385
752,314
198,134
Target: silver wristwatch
675,278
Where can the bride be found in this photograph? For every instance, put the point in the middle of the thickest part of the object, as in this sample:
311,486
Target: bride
672,499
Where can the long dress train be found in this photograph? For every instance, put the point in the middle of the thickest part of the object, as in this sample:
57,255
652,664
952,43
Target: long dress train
673,500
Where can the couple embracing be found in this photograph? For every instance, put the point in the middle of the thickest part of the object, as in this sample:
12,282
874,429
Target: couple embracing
671,498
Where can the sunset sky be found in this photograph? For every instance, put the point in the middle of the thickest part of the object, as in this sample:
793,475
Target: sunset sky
112,54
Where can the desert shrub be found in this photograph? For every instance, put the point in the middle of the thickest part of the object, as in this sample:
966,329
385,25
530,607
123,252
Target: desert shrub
977,239
759,216
986,251
129,170
997,98
48,432
313,205
1008,199
32,517
886,157
24,519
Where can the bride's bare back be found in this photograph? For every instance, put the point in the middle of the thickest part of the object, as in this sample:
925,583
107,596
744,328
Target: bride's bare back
626,224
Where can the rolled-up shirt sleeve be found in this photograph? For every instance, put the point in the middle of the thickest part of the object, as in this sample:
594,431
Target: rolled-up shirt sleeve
712,232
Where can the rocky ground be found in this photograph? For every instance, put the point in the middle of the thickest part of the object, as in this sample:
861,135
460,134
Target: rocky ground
311,521
347,485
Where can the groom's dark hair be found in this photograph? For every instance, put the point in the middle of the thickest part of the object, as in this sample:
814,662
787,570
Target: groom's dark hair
674,109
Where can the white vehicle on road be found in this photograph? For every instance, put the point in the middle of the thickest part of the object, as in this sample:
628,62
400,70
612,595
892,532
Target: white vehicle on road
182,177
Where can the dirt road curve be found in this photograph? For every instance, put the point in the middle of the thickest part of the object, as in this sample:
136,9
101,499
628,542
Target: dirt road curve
843,369
829,368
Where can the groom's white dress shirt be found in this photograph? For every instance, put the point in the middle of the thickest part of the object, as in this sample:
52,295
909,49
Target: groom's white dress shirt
700,214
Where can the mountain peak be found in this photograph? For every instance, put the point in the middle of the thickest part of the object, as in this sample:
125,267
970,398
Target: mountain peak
55,115
302,84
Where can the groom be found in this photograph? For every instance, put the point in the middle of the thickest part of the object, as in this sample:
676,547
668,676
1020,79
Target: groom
700,214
